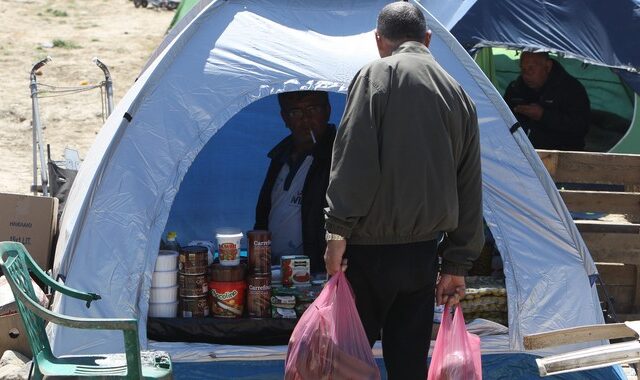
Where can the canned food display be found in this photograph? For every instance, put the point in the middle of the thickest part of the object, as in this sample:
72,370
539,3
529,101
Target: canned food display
296,270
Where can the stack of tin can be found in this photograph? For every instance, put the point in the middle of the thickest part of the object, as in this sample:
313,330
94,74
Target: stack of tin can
259,274
192,281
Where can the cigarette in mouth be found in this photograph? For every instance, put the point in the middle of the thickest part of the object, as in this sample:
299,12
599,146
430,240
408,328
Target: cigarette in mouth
313,137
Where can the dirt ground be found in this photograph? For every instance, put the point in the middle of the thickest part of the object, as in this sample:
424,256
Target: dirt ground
72,32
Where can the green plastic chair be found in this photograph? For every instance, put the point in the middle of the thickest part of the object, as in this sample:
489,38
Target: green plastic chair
16,263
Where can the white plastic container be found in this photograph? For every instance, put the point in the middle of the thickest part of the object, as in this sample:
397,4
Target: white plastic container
164,295
164,279
229,245
163,310
167,260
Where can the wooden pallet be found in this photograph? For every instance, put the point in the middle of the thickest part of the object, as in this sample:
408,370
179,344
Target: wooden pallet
614,243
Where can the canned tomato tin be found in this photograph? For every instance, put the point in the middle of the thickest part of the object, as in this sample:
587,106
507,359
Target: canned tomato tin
259,296
194,307
296,270
192,285
193,260
259,251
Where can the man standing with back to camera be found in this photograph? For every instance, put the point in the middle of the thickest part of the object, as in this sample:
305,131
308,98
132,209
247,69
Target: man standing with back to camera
405,169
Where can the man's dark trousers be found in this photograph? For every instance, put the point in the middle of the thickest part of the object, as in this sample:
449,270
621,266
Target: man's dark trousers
394,287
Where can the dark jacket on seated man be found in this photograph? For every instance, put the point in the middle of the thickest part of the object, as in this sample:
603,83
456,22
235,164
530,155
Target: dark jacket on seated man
565,118
313,196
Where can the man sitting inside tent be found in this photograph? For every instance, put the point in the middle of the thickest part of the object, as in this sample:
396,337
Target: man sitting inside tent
552,106
292,197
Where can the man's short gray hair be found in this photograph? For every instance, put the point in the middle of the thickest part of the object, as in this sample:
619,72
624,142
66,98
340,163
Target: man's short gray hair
402,21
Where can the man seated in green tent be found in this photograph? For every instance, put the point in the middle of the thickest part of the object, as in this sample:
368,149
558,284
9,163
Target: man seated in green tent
292,197
551,105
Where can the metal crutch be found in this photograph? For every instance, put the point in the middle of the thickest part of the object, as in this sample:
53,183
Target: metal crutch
37,133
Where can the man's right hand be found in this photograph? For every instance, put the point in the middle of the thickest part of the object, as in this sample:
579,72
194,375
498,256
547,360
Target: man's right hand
533,111
333,256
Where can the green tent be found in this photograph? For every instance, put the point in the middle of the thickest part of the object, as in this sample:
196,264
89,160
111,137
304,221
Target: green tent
615,119
183,9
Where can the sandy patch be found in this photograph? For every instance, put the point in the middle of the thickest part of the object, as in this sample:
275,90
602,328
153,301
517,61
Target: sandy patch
116,32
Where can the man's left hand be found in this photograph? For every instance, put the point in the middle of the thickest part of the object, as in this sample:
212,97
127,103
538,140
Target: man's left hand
333,256
533,111
450,290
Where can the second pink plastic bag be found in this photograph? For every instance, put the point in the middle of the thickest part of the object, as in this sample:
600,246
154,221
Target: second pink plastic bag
456,354
329,341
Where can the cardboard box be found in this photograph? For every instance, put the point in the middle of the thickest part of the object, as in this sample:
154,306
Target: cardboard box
13,335
31,221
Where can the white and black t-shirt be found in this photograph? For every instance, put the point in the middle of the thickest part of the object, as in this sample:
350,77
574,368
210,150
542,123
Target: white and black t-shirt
285,220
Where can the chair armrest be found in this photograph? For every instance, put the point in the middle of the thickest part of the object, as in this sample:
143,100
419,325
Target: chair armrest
78,322
47,280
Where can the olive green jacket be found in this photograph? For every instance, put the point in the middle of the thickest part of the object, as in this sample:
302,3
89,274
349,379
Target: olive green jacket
406,160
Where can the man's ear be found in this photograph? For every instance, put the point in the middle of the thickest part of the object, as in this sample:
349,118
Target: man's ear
378,40
548,64
427,38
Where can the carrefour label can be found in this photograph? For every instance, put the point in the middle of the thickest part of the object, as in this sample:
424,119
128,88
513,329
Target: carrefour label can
259,251
259,296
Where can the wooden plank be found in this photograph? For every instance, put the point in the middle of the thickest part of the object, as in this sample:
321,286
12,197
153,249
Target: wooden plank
610,202
550,161
617,274
613,248
590,167
607,227
577,335
593,357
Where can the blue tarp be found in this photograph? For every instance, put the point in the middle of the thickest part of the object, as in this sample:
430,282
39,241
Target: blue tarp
494,367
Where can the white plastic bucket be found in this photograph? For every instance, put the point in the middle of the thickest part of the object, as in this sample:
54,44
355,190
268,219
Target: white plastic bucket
229,246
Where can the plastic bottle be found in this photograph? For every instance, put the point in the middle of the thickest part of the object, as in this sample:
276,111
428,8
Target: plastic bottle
172,243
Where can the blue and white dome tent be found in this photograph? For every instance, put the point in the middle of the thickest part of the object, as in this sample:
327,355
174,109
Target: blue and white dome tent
186,149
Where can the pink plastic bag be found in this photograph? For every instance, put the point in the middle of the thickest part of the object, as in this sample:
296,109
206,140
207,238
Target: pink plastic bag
456,354
329,341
